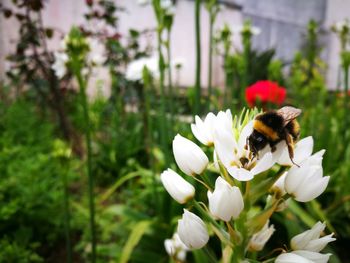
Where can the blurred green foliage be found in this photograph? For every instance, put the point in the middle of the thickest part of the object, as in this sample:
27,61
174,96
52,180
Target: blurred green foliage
134,213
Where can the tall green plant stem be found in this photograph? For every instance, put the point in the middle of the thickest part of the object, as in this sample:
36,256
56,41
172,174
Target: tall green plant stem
170,84
149,135
210,66
246,61
346,96
163,121
84,103
65,164
197,100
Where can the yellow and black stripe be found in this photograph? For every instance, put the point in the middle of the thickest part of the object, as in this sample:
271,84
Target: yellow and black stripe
270,124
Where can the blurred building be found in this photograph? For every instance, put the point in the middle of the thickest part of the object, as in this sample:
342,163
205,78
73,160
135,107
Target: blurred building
282,25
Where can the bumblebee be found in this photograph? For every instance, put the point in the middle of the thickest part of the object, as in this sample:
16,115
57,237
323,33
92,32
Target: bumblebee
274,126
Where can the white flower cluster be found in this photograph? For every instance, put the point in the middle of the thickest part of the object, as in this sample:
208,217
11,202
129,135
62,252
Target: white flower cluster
134,70
95,57
342,25
234,161
241,28
167,5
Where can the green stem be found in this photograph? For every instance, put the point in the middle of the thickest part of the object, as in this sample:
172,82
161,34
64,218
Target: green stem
246,63
206,215
149,138
346,99
210,66
202,183
163,120
227,76
197,101
82,85
67,213
170,84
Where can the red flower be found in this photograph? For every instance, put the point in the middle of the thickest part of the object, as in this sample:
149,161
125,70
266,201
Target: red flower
265,91
89,2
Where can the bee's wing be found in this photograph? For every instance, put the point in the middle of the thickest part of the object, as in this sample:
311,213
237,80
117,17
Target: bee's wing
288,113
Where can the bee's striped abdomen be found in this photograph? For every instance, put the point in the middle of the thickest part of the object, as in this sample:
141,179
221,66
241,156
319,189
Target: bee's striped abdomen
293,128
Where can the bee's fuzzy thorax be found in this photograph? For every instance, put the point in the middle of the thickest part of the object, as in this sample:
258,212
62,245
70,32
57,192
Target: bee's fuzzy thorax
269,124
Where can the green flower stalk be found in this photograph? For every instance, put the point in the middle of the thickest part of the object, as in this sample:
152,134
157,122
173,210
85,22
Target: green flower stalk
213,9
63,153
147,80
342,29
246,34
77,49
161,20
168,22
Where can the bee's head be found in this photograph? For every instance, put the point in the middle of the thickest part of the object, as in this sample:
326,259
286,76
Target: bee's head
256,142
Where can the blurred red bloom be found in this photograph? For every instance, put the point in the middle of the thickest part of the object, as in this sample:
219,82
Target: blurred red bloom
89,2
265,91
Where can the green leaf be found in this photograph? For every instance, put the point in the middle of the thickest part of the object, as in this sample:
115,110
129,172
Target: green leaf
301,213
316,207
134,238
117,184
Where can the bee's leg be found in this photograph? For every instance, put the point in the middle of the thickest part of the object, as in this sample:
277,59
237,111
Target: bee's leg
289,141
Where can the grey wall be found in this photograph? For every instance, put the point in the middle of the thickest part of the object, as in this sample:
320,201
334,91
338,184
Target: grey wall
283,22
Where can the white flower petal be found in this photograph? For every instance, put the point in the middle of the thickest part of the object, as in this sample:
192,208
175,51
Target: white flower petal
259,239
189,156
226,201
176,186
310,239
313,256
303,150
240,174
265,163
192,231
291,258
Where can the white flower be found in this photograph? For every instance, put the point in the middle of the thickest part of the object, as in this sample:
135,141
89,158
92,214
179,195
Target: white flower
341,25
176,248
302,150
253,29
143,2
59,66
95,55
278,186
165,4
310,240
259,239
306,182
168,6
203,130
189,157
302,256
192,231
230,147
135,68
226,201
177,187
